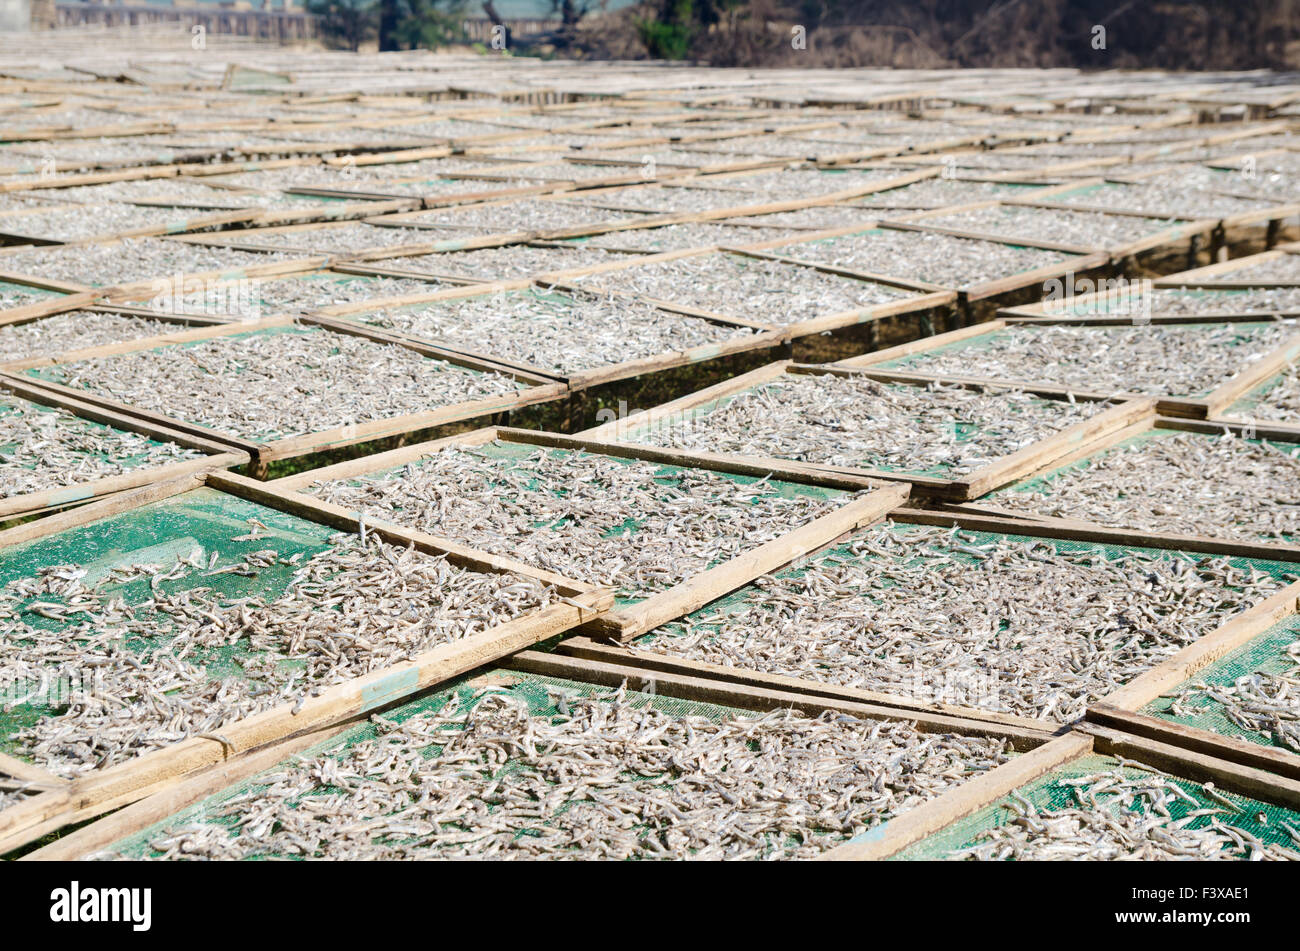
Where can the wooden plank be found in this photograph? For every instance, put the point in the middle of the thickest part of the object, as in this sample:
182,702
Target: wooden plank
1269,759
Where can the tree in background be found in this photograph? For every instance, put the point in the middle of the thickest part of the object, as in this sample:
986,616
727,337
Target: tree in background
398,24
346,23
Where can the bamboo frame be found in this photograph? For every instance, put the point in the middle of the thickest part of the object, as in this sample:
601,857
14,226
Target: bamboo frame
159,770
1212,404
628,622
538,390
1004,471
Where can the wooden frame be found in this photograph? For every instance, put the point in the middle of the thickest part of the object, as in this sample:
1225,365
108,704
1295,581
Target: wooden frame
1004,471
158,807
763,338
216,455
926,297
539,390
629,622
1210,405
149,773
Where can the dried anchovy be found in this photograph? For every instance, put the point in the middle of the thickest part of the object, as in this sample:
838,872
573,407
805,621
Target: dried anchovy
516,260
280,384
1123,814
1156,359
854,421
1259,702
1080,229
163,189
1129,300
359,606
933,193
567,335
350,237
44,447
1014,626
759,289
1285,268
17,295
814,218
918,255
134,259
75,330
1151,198
607,778
294,295
529,215
573,513
1280,402
1183,483
693,235
87,222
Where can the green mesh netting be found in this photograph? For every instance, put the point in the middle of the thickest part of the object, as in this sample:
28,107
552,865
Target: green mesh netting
541,694
1047,793
201,520
1264,654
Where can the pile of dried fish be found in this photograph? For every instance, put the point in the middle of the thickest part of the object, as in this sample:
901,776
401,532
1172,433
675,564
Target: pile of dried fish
135,259
601,519
164,190
605,778
1284,269
513,261
855,421
1280,402
104,220
1259,702
76,330
1076,229
1130,814
527,215
1156,359
692,235
1182,483
44,447
937,614
758,289
924,256
149,671
939,193
17,295
350,237
1149,197
563,334
298,295
280,383
1131,300
814,218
